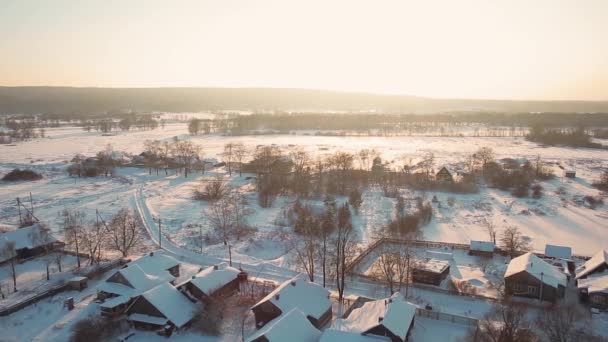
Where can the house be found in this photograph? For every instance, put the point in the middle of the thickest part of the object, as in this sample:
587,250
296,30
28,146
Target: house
28,242
125,285
308,297
218,280
598,263
292,326
444,176
161,307
392,318
430,271
594,290
482,248
530,276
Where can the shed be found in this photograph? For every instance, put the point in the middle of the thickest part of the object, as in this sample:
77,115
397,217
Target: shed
217,280
444,175
430,271
570,173
78,283
482,248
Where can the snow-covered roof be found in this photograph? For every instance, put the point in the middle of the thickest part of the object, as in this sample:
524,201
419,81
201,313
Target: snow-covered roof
312,299
595,283
333,335
484,246
432,265
26,237
116,288
155,263
561,252
143,281
171,303
394,313
211,279
114,302
292,326
537,268
596,261
143,318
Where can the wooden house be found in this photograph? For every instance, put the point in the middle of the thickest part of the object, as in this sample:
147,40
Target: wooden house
482,248
444,176
530,276
161,307
430,271
594,290
598,263
215,281
28,242
390,318
310,298
291,326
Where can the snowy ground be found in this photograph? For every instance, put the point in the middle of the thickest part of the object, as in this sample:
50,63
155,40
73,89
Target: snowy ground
556,218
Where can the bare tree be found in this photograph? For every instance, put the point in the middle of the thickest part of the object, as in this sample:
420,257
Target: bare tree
385,267
513,242
221,217
306,246
42,237
10,253
240,212
344,248
72,226
92,240
565,323
506,322
491,229
213,189
123,232
485,155
240,153
228,156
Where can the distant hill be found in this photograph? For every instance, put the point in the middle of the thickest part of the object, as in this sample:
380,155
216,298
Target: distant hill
31,100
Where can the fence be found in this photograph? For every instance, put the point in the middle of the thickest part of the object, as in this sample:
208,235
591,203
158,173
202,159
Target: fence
443,316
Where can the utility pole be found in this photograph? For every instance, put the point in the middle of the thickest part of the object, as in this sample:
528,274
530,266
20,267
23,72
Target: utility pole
31,204
541,286
19,207
160,236
201,233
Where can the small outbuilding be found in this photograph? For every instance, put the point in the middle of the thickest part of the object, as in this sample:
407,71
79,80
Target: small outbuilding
594,290
482,248
530,276
215,281
570,173
310,298
78,283
430,271
444,176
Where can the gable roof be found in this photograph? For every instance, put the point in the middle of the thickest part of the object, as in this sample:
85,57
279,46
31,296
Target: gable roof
595,283
537,268
171,304
291,326
560,252
592,264
155,263
484,246
210,279
26,237
141,280
394,313
312,299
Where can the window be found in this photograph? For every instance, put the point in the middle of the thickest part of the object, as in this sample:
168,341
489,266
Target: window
531,289
598,299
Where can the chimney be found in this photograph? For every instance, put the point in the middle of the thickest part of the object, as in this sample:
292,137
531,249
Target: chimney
193,277
151,253
277,296
390,300
293,283
380,319
200,269
216,267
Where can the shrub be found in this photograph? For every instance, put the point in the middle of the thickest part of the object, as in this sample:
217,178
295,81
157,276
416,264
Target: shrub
213,190
24,175
209,319
520,191
96,329
537,191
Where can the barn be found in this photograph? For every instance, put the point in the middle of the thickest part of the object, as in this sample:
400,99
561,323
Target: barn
482,248
430,271
530,276
310,298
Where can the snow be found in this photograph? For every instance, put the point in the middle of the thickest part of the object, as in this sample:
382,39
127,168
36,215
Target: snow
155,263
171,303
394,313
483,246
595,283
537,268
291,326
210,280
560,252
27,237
143,318
114,302
432,265
141,281
117,289
333,335
596,261
310,298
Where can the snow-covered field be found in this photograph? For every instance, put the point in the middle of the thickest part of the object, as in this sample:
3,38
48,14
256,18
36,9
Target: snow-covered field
559,217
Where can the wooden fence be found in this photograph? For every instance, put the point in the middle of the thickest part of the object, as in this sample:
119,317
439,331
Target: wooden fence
444,316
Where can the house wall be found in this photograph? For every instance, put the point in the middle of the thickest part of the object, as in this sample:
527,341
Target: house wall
142,306
524,285
174,271
264,313
603,267
481,253
320,322
225,290
428,277
118,278
599,300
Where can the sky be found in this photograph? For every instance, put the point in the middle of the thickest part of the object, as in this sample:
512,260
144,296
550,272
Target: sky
511,49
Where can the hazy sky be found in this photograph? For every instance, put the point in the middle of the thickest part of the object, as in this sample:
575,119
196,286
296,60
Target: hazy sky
519,49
